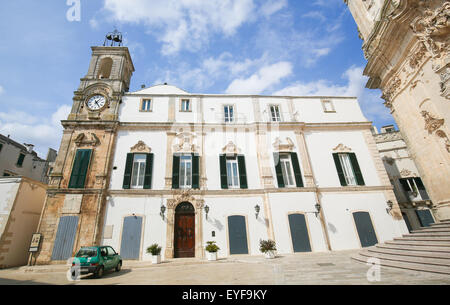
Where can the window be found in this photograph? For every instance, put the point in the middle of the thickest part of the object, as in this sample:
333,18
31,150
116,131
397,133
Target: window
5,174
414,188
185,171
348,169
275,113
20,160
229,113
80,167
146,105
286,169
138,172
111,251
1,146
185,105
232,173
328,106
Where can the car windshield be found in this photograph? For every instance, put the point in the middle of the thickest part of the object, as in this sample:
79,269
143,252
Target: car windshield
87,253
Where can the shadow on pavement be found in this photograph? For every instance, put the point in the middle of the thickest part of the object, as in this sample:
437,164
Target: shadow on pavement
17,282
106,275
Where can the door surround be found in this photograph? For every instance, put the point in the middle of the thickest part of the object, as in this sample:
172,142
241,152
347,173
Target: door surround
198,203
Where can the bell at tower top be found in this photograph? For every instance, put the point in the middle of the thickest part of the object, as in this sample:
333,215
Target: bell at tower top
115,38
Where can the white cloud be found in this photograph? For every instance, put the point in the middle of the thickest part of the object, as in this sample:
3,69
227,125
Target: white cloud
188,24
262,80
369,100
2,90
44,133
315,15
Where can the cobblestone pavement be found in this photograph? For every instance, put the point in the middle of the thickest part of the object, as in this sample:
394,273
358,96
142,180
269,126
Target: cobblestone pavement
296,269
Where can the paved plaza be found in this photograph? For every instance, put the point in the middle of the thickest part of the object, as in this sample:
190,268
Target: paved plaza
297,269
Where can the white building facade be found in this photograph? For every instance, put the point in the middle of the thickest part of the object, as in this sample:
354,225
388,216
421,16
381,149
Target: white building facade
191,168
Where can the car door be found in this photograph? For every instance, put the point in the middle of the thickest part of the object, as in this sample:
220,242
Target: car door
106,260
112,257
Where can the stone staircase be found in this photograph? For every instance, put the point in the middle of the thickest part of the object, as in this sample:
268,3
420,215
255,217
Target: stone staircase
427,249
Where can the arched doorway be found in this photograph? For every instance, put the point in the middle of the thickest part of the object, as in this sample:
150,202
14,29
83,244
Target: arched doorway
184,230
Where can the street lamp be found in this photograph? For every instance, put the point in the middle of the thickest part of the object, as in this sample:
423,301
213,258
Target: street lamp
390,204
257,209
206,211
163,210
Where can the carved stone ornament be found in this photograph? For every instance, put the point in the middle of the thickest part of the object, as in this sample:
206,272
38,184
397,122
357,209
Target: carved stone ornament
405,173
185,143
342,148
181,195
140,147
390,91
431,123
231,149
388,160
444,136
280,146
81,139
433,28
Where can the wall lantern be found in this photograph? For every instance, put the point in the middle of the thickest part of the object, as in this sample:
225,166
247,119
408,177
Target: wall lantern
390,205
206,211
318,207
257,209
163,210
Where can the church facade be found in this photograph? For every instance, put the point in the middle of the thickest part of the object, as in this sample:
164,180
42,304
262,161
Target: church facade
161,165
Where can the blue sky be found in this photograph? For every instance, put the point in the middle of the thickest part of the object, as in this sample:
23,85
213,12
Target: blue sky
269,47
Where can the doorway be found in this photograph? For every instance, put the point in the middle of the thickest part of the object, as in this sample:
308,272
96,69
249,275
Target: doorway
184,230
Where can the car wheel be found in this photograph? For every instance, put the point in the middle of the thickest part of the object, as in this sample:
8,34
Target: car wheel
119,266
99,272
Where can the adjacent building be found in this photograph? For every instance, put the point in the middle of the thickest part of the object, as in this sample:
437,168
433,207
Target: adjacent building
406,44
21,203
21,160
410,192
162,165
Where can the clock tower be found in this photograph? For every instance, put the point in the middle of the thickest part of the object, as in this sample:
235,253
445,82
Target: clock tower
74,208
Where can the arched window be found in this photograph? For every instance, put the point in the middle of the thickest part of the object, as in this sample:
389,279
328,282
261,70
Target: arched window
105,68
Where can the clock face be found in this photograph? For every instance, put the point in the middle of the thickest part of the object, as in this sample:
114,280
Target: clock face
96,102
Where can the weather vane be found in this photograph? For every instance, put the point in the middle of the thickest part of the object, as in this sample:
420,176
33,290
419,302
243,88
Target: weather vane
115,37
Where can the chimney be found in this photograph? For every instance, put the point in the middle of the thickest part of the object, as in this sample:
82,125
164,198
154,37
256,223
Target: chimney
29,147
143,86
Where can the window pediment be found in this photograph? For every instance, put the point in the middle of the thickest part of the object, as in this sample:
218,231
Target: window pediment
287,146
185,142
140,147
341,148
231,149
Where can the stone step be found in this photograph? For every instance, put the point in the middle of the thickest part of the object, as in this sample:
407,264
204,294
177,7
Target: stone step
412,253
432,230
424,248
426,238
440,225
408,259
420,243
406,265
429,234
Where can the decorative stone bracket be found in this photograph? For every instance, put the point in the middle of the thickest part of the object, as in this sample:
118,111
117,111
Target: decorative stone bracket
82,140
280,146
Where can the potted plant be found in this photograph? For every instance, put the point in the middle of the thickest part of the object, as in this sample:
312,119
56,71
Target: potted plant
268,248
155,250
211,250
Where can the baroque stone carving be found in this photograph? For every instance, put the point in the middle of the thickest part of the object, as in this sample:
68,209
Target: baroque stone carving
280,146
342,148
432,29
431,123
231,149
185,143
81,139
444,136
405,173
140,147
390,91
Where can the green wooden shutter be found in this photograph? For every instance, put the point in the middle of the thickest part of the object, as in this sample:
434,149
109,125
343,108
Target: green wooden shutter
276,159
80,167
297,171
128,170
223,171
195,172
356,169
148,171
405,185
340,172
20,160
242,172
176,172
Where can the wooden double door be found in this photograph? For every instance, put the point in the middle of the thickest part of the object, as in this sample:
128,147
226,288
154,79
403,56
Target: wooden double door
184,230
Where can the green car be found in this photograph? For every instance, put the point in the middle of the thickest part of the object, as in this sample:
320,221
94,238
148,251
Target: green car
96,260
